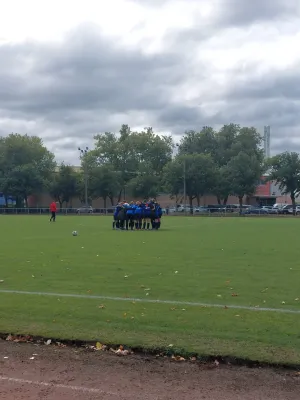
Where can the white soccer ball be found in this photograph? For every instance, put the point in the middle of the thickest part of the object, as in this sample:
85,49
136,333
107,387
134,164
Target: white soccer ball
74,233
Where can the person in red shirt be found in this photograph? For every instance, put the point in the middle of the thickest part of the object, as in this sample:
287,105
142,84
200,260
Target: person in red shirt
53,210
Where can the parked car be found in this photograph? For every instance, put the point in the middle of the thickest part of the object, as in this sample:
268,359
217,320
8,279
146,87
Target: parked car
255,211
288,209
85,210
200,210
270,209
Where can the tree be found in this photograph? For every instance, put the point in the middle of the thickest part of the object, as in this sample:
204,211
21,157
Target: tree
222,185
65,184
145,186
243,171
26,166
131,153
223,146
21,182
285,170
197,170
104,182
203,142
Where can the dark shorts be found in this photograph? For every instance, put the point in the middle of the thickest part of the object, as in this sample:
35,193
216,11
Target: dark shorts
152,215
116,218
138,217
53,213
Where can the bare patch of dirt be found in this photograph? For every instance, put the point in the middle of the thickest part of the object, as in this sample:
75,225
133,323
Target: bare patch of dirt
35,372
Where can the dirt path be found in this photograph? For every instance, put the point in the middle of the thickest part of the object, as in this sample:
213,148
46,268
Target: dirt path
71,374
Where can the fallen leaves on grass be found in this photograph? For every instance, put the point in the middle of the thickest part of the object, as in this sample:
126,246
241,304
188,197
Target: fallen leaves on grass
177,358
121,351
234,294
19,339
101,306
263,291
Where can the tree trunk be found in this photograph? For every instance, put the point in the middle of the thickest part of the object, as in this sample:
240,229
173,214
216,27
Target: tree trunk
120,195
293,203
104,202
26,201
241,203
219,200
111,198
225,200
198,200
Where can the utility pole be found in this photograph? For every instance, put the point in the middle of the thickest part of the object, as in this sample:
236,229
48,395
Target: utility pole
184,185
184,181
82,153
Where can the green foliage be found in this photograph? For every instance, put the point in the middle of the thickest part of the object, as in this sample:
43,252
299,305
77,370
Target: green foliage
65,184
243,171
144,186
285,170
104,182
198,171
131,154
223,148
224,162
26,166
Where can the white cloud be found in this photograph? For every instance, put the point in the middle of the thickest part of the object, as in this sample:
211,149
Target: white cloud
70,69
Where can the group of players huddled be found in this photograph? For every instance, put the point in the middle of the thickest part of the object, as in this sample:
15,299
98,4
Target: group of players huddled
137,215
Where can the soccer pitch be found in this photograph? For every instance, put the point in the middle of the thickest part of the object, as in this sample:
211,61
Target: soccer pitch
212,277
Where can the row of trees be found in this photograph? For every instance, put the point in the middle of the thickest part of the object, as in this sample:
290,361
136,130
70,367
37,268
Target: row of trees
143,164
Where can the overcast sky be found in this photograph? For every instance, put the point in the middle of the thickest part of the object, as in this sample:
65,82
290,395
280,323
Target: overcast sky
72,69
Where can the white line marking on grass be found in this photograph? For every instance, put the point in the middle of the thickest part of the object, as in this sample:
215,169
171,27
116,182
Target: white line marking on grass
57,386
170,302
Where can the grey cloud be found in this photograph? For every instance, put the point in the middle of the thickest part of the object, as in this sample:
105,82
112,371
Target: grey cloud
68,92
279,85
247,12
87,72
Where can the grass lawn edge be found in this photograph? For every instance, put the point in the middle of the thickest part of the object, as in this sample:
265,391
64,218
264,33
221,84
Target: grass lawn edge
171,353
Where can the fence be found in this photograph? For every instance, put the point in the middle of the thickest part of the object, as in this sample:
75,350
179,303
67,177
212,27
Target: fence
196,212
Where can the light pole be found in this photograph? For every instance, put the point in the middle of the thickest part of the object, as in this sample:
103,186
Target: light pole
184,181
184,185
83,152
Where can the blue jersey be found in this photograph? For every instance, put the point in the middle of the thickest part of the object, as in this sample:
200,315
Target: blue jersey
158,211
138,210
131,209
143,205
147,211
117,210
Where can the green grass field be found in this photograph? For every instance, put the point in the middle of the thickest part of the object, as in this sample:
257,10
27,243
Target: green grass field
202,260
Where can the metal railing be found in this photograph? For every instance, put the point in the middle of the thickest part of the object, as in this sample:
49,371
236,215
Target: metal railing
197,211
